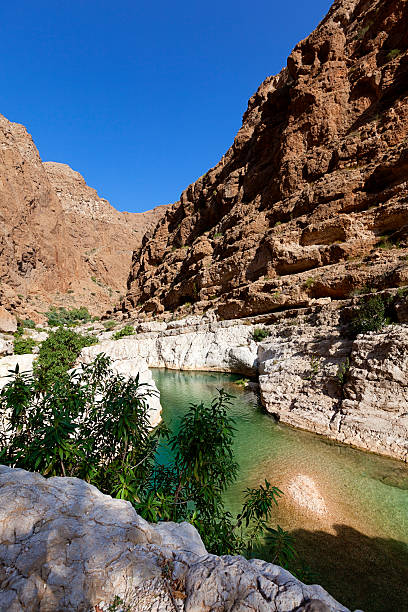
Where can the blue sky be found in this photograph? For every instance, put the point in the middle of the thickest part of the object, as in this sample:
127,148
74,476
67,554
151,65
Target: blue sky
141,98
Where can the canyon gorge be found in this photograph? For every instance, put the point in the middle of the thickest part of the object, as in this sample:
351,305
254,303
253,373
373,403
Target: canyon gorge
285,263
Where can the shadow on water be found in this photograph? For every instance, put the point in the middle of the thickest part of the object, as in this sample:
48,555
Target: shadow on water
358,551
368,573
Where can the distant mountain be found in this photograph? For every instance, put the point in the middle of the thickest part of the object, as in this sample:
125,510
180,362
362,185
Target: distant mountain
59,242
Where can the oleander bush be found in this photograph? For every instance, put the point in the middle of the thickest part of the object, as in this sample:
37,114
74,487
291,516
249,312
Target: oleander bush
93,423
58,353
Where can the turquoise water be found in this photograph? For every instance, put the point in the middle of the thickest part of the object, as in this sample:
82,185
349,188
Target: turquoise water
358,544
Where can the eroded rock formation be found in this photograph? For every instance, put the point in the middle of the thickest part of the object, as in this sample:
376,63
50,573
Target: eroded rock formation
311,200
104,237
312,373
59,242
66,546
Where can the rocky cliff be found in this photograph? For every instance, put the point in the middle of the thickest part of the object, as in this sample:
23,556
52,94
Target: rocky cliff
59,242
104,237
37,255
66,546
311,200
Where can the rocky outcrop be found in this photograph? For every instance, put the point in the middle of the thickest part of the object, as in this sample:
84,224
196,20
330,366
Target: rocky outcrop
311,373
314,377
8,323
66,546
311,199
197,344
37,255
104,237
60,243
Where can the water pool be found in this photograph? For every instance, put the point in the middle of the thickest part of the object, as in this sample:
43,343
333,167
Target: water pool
347,509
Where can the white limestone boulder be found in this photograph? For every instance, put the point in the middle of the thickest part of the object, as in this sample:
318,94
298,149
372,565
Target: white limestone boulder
66,546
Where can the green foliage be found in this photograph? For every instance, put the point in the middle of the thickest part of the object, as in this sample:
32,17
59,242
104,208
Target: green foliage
91,423
29,323
128,330
62,316
94,424
342,371
260,334
314,367
393,53
242,382
58,354
217,235
109,325
282,546
19,332
23,346
309,283
370,316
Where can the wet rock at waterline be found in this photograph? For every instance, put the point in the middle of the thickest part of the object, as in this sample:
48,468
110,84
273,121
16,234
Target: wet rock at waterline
66,532
311,373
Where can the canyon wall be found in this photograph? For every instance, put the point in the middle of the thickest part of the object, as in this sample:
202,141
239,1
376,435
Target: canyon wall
311,200
60,243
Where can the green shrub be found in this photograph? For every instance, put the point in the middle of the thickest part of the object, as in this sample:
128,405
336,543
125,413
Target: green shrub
23,346
58,354
371,316
260,334
392,54
29,323
109,325
94,424
62,316
19,332
128,330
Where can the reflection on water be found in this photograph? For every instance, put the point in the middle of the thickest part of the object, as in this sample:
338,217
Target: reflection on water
347,509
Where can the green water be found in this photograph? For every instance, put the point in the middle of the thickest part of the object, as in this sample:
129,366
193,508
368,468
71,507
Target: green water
357,547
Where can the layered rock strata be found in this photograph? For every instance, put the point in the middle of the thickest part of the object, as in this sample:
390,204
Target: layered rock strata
66,546
311,200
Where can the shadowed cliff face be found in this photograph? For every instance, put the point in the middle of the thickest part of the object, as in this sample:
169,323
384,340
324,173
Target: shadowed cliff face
59,242
311,200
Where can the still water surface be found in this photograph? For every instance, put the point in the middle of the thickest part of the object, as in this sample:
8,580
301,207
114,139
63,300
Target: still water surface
347,509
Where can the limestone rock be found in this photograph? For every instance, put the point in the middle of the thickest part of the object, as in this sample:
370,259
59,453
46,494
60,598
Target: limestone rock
6,347
311,200
9,363
207,346
66,546
301,383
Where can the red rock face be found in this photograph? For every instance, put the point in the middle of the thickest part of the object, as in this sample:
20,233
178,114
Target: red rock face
59,242
311,200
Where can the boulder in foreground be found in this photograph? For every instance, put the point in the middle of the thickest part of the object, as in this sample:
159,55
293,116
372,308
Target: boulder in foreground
66,546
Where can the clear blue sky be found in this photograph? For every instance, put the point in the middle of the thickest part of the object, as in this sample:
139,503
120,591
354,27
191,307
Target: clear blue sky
141,97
